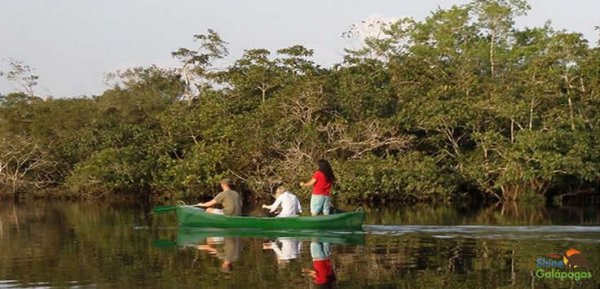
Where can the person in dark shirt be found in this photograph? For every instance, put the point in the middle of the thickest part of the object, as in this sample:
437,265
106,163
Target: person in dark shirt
228,198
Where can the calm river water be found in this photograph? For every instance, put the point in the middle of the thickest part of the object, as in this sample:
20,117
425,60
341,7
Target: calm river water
73,245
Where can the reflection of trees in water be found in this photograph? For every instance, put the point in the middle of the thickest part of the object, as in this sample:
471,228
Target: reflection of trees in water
99,244
426,262
508,213
512,213
58,243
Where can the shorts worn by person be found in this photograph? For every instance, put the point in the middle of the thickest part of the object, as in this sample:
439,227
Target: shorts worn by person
320,204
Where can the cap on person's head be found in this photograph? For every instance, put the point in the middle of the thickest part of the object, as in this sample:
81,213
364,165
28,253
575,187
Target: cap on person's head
225,181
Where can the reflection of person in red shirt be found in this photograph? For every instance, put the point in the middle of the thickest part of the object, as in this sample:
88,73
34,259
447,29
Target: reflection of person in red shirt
322,272
321,181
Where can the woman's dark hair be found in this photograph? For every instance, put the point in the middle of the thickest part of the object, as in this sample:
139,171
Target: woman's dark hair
326,169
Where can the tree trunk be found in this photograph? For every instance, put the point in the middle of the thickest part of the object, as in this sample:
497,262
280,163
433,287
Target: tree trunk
571,112
512,130
531,114
492,66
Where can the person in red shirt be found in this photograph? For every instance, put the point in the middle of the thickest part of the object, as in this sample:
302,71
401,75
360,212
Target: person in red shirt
322,181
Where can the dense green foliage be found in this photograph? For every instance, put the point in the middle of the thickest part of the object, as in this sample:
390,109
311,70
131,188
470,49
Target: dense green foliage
461,102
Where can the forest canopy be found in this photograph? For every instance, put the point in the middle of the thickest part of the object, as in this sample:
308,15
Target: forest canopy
462,103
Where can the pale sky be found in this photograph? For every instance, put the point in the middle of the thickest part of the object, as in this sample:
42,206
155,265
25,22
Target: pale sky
73,43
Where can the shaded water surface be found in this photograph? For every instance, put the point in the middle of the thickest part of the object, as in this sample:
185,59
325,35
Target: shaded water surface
67,245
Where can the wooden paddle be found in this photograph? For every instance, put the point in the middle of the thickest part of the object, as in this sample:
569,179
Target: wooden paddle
163,209
165,244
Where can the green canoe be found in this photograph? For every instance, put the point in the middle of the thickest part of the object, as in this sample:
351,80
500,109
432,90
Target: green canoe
194,217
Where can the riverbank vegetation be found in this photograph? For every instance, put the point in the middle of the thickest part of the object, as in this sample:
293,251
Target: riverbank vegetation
462,103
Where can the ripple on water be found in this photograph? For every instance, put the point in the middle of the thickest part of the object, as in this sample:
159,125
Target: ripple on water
584,234
40,285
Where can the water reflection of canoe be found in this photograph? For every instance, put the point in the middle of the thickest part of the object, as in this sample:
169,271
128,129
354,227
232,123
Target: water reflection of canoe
191,236
194,217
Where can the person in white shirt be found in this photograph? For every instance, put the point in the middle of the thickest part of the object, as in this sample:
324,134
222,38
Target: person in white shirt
290,205
289,250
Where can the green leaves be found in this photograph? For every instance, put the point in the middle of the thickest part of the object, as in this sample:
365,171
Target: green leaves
211,47
412,177
462,100
111,171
